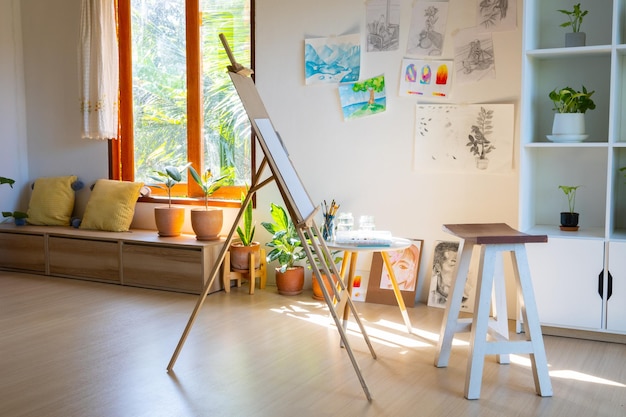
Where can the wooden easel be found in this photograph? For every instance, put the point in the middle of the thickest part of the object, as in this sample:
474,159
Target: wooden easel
299,206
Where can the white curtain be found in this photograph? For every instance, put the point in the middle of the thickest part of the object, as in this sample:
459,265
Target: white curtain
98,69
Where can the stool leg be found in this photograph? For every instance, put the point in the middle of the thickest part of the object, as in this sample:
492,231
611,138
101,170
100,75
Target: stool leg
263,267
251,273
450,323
480,325
226,272
530,318
501,321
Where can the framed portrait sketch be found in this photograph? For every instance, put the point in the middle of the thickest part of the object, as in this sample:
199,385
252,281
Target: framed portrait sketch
443,264
406,265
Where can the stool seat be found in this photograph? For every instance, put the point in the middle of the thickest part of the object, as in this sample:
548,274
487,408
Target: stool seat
494,233
492,239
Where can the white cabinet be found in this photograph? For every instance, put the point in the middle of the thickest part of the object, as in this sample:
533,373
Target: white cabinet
616,304
567,292
566,272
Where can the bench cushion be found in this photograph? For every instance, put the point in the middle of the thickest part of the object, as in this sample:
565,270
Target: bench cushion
111,205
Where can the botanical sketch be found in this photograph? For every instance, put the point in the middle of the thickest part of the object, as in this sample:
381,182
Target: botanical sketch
497,15
443,268
332,60
383,25
363,98
464,138
428,26
473,55
426,78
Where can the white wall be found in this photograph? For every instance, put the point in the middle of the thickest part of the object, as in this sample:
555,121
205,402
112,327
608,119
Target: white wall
52,107
369,170
13,158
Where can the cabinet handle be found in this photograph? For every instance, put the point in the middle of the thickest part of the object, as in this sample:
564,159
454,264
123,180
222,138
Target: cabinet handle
601,285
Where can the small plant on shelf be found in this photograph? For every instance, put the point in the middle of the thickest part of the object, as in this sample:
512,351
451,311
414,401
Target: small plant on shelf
570,193
569,219
568,100
575,18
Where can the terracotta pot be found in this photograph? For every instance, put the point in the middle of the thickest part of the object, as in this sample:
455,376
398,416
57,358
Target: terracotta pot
291,281
317,290
240,255
169,220
207,224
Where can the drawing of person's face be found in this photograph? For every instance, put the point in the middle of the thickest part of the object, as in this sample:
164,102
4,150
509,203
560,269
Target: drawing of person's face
404,270
444,271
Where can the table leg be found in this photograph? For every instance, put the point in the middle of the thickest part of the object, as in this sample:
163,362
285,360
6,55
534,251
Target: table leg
396,291
351,272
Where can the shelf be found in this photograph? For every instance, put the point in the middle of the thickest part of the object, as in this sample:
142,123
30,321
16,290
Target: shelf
574,52
600,145
553,230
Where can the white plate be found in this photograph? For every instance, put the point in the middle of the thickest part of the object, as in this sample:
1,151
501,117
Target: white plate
567,138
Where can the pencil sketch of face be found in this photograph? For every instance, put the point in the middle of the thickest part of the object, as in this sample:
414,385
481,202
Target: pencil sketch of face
444,262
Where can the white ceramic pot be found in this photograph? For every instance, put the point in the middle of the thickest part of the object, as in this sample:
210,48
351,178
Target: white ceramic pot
568,124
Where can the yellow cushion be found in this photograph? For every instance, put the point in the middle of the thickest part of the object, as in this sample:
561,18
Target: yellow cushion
52,201
111,205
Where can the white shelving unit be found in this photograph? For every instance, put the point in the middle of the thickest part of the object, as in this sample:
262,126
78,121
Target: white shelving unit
569,271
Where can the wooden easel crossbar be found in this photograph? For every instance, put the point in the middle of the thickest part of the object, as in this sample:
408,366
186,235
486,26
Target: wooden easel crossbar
299,206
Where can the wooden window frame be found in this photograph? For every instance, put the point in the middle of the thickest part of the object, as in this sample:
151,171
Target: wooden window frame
121,150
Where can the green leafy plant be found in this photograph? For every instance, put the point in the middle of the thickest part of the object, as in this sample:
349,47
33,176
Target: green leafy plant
568,100
17,215
575,17
286,244
246,234
169,177
570,193
208,183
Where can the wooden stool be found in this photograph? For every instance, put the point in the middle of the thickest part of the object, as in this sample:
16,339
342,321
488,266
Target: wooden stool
492,238
229,274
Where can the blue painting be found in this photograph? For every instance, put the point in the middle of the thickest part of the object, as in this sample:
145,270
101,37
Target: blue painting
332,60
363,98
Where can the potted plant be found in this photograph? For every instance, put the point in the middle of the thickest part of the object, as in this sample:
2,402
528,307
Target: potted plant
287,250
206,223
328,283
569,120
575,20
19,217
169,220
569,219
480,146
240,250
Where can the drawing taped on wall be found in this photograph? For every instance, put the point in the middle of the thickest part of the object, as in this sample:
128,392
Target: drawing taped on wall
464,138
332,60
428,26
383,25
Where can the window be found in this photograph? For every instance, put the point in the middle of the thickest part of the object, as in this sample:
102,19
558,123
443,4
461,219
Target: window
177,101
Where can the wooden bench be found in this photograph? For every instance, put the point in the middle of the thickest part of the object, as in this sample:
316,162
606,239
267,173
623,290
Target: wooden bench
139,258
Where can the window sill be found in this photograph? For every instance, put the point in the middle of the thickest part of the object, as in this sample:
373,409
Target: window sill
182,201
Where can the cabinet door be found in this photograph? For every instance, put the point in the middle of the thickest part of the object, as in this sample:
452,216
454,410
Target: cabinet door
565,280
616,305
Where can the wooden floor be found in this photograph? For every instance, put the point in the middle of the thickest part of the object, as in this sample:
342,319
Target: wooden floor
75,348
